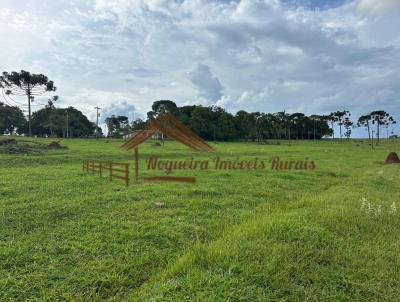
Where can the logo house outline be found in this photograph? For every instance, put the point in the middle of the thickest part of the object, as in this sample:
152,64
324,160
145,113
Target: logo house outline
172,127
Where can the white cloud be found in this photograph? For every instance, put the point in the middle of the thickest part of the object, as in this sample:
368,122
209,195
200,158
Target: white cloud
377,7
244,54
208,85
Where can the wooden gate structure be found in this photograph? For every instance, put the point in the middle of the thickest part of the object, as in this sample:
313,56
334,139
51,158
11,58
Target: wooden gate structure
171,126
115,170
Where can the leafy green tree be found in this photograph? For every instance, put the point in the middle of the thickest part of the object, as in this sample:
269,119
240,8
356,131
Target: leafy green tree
226,127
245,124
51,121
381,118
339,117
315,119
298,121
203,122
364,121
27,84
283,120
163,106
50,108
138,124
324,128
185,113
260,124
11,119
332,119
348,125
79,125
117,125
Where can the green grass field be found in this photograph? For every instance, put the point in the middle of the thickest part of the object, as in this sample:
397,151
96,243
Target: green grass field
232,236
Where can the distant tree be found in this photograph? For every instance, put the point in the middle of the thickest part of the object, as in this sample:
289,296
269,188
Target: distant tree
51,121
245,124
316,119
271,126
50,108
260,124
364,121
138,124
324,126
298,122
284,121
78,124
185,113
226,127
161,107
320,126
339,117
27,84
58,120
117,125
348,125
51,102
203,122
332,119
11,119
381,118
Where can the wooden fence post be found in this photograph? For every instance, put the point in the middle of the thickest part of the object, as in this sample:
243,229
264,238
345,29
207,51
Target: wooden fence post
136,163
126,174
110,171
101,168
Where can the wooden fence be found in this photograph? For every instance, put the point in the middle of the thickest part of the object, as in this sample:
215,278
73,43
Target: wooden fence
111,169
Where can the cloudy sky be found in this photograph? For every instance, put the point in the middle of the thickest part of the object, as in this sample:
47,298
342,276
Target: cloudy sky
313,56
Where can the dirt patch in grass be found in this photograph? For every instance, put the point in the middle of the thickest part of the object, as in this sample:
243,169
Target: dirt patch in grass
55,145
8,141
13,146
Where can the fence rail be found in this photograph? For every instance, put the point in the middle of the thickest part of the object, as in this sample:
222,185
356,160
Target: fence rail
98,167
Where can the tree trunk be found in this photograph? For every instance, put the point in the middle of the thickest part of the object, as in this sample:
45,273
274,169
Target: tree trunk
369,133
29,110
377,133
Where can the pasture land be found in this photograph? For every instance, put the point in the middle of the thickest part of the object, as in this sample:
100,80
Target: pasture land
241,235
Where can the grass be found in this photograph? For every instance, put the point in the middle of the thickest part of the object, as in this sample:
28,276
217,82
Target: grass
232,236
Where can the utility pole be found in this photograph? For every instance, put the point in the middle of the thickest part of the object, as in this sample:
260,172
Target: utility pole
97,121
30,98
67,125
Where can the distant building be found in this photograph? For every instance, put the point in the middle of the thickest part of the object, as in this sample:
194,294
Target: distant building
130,135
155,135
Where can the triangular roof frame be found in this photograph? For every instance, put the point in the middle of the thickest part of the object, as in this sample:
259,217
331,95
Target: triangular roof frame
172,127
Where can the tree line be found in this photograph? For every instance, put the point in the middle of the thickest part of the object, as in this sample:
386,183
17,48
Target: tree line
215,123
47,122
210,122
